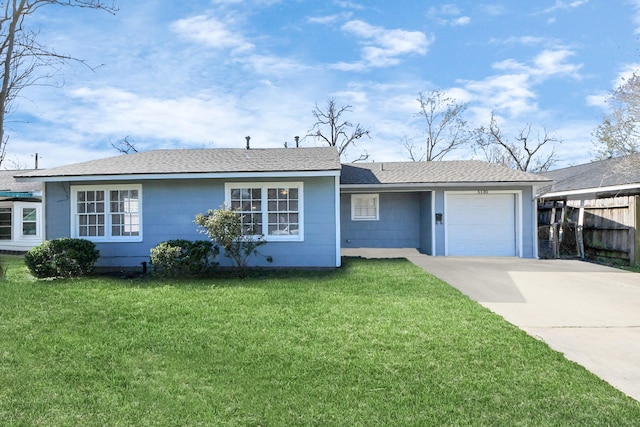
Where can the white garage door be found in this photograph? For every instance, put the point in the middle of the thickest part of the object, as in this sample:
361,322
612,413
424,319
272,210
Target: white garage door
481,224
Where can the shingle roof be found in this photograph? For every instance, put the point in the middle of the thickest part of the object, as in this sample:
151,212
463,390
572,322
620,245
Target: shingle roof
8,182
460,171
603,173
191,161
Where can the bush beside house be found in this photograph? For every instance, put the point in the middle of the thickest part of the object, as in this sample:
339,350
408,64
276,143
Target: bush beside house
64,257
179,258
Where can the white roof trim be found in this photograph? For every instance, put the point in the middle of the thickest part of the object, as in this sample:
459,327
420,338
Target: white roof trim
429,185
592,190
209,175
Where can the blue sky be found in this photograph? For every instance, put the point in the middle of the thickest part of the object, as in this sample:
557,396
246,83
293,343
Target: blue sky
207,73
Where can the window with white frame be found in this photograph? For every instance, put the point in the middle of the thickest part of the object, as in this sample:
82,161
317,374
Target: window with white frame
5,223
29,222
365,207
271,209
125,212
247,202
107,212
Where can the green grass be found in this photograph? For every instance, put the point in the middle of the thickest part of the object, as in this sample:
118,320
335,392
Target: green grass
634,269
378,342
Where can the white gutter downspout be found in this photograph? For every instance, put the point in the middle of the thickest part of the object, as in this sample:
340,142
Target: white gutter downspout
534,213
337,219
433,223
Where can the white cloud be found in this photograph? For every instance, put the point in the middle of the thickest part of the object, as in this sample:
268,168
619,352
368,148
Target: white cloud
383,47
547,63
213,118
553,62
190,119
446,9
577,142
274,65
329,19
523,40
349,5
493,9
510,92
211,32
598,100
514,90
463,20
565,5
448,14
635,4
625,73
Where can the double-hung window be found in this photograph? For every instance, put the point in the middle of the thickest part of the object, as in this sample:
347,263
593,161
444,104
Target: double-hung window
29,222
270,209
365,207
6,224
107,213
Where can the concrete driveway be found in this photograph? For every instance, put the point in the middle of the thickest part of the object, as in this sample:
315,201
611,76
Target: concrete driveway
589,312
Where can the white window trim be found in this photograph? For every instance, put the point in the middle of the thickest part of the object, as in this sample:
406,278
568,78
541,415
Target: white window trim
354,217
18,218
265,212
16,221
12,228
107,220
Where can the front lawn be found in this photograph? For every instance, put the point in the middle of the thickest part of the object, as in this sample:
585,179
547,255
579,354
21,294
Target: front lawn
378,342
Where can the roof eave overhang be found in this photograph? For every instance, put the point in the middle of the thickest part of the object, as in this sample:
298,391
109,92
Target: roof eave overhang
588,191
162,176
430,185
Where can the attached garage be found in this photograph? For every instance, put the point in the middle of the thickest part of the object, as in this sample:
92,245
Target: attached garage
482,223
455,208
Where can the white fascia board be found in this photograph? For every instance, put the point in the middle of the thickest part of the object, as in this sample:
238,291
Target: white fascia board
136,177
585,191
347,188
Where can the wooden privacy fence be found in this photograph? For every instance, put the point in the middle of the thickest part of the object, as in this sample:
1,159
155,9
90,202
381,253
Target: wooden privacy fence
602,229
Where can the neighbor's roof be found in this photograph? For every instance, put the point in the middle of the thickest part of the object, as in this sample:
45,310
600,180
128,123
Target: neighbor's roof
200,161
440,172
617,174
9,184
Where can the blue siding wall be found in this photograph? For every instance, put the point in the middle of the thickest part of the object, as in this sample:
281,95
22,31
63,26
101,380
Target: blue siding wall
399,225
530,226
439,228
169,208
57,213
426,219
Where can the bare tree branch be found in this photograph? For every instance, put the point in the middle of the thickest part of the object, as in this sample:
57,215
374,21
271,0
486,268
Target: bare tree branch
125,146
415,152
445,130
619,133
527,153
25,62
333,130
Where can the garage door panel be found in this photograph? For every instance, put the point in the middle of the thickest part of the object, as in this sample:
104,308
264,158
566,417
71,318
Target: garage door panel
481,224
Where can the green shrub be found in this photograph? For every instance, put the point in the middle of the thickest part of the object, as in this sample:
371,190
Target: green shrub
176,258
225,227
65,257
